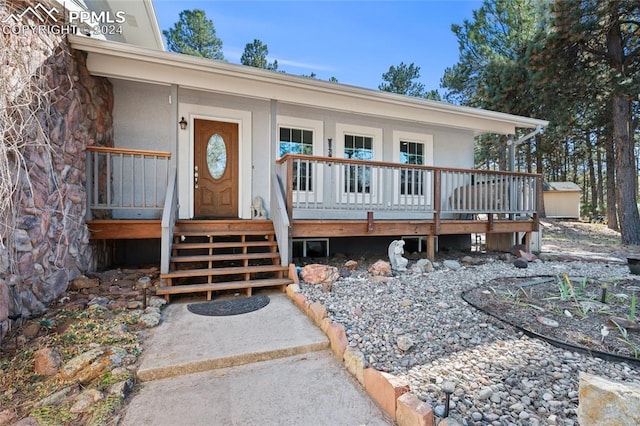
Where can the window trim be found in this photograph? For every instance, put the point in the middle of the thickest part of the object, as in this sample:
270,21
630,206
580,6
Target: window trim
426,139
316,126
375,133
317,129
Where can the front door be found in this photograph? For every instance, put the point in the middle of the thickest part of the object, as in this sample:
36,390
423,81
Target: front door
215,175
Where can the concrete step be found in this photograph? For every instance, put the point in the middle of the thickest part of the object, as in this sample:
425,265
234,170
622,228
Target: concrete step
188,343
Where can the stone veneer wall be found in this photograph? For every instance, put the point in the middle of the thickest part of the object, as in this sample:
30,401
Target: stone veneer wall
45,242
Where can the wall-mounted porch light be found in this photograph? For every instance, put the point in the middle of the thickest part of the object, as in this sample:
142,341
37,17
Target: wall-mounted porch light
183,124
330,148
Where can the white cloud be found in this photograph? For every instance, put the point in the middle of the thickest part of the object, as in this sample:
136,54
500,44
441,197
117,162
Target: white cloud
304,65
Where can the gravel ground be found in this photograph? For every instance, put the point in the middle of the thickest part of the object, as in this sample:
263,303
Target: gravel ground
416,326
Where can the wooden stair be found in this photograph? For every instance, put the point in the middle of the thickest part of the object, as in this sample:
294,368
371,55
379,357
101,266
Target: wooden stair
216,255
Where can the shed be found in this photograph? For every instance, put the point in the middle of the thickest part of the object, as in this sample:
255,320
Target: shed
562,200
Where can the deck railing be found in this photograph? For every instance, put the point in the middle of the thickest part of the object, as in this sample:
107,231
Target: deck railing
333,188
169,215
280,220
126,179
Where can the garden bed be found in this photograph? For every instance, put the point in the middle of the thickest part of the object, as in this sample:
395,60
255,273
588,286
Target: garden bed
595,315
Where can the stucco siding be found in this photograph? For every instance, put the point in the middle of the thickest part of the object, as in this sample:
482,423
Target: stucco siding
142,116
141,120
451,147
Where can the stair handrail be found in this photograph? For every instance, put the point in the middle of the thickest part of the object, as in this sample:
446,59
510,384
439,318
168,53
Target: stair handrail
169,214
280,220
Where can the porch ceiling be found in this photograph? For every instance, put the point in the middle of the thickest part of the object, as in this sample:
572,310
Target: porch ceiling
118,60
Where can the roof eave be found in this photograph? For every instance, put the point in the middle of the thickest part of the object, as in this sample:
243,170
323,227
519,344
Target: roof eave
260,75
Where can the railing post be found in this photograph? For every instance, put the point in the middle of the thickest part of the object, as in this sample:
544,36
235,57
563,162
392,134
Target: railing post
436,201
289,188
539,197
168,221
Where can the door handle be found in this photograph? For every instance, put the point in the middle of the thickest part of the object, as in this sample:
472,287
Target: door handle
195,177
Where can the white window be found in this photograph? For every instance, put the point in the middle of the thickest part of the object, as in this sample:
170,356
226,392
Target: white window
414,184
358,178
298,141
302,136
412,180
359,183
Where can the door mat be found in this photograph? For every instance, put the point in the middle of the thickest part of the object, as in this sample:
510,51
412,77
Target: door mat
226,307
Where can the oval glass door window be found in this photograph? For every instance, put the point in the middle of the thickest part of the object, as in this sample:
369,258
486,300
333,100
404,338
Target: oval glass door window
216,156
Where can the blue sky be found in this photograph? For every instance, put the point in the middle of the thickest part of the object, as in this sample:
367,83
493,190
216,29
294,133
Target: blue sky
355,41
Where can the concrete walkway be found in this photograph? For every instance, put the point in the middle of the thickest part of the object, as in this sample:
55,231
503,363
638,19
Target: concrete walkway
268,367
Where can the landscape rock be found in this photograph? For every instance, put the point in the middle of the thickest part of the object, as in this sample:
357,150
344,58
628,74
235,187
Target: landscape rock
411,411
59,397
404,343
121,389
604,402
337,338
352,265
156,302
529,257
520,263
424,265
75,365
385,389
380,268
47,361
517,248
316,273
83,282
85,400
355,363
452,264
7,417
345,272
94,370
455,343
150,318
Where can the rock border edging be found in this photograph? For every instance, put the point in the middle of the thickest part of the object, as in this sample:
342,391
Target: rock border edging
390,392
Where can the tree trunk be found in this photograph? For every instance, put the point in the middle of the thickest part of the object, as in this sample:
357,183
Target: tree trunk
539,169
626,172
622,139
502,153
592,177
600,179
610,160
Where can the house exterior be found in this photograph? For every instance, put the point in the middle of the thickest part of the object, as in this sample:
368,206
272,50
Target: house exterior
239,165
270,114
206,150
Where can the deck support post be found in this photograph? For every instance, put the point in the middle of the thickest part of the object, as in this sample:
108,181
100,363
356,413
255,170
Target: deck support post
527,241
370,224
431,247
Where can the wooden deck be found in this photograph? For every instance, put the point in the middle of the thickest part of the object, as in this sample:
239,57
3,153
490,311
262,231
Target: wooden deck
424,228
124,229
113,229
308,228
